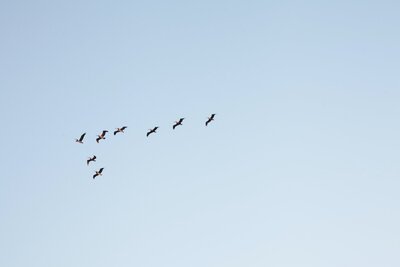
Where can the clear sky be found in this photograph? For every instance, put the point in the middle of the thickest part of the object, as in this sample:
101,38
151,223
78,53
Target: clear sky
299,168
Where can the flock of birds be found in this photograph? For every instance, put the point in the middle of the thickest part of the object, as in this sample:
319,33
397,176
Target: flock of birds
102,136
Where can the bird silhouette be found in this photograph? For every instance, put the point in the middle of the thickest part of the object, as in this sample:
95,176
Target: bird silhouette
210,119
99,172
120,130
80,140
152,131
91,159
101,136
178,123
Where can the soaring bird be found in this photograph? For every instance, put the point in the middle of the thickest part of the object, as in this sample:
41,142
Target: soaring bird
101,136
178,123
91,159
80,140
210,119
98,173
152,131
120,130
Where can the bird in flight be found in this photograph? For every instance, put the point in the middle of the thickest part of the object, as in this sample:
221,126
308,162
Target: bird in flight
101,136
99,172
80,140
152,131
120,130
91,159
210,119
178,123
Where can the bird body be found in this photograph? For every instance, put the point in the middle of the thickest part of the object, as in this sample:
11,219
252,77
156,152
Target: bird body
101,136
91,159
210,119
99,172
80,140
120,130
178,123
152,131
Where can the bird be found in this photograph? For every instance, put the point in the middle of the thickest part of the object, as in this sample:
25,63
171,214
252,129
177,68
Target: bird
120,130
101,136
91,159
99,172
152,131
178,123
210,119
80,140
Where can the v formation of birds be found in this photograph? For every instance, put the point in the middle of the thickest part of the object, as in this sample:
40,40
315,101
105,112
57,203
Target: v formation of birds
102,136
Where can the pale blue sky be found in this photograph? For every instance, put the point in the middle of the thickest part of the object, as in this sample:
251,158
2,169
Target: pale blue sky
300,168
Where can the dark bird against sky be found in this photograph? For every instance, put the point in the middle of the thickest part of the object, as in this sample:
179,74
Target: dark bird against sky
210,119
91,159
101,136
99,172
178,123
120,130
152,131
80,140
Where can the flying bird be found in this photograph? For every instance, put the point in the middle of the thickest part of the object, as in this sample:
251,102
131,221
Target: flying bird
80,140
91,159
120,130
178,123
210,119
99,172
101,136
152,131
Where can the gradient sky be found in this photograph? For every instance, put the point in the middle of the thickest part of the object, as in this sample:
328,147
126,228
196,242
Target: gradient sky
300,167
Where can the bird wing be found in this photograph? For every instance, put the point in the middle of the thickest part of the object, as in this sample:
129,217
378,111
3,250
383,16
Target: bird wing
98,139
123,128
212,116
104,132
95,175
173,127
181,120
101,170
94,157
115,132
82,136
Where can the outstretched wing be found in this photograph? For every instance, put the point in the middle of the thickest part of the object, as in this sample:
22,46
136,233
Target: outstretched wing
82,136
95,175
104,132
181,120
101,170
115,132
123,128
173,127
